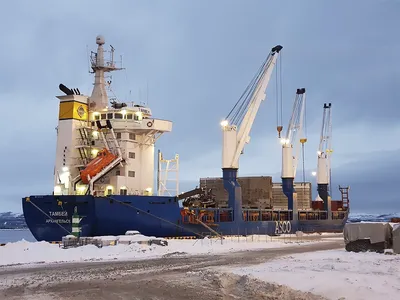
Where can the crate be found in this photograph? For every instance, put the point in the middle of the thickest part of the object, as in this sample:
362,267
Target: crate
256,191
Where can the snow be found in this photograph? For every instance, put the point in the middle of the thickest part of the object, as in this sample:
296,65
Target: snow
24,252
133,238
132,232
334,274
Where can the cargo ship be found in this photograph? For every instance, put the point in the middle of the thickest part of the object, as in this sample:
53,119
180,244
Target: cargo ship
105,168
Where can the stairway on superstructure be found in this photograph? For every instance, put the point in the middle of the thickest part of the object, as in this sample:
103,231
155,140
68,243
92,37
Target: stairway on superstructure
84,146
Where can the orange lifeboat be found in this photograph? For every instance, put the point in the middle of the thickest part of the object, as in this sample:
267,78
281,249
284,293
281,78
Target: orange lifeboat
102,160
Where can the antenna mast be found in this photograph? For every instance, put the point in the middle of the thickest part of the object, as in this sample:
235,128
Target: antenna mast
99,98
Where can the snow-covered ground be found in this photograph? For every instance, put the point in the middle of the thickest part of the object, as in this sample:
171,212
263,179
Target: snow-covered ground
24,252
334,274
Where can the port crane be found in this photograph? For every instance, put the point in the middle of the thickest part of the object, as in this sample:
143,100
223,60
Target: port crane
236,129
291,148
324,154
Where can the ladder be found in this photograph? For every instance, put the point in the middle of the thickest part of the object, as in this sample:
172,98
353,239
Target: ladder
345,196
114,147
85,142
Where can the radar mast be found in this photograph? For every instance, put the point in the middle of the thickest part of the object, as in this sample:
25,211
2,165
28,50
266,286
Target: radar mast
99,98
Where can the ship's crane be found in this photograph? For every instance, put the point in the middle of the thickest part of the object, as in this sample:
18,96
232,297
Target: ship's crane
324,154
237,125
291,143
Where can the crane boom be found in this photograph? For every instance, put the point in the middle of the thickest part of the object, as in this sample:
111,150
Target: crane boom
243,114
325,146
291,149
294,136
242,117
324,163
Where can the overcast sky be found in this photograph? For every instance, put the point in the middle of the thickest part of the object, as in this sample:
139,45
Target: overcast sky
197,57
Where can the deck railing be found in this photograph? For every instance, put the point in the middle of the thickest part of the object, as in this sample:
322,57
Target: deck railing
217,215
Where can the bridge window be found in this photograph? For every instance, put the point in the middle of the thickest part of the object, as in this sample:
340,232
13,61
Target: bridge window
103,116
132,136
123,192
118,135
129,116
131,154
97,117
118,116
109,115
131,173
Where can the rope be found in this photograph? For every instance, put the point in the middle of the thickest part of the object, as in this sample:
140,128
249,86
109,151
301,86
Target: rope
154,216
305,135
281,83
278,123
305,119
251,84
48,216
129,205
250,91
304,171
242,105
279,92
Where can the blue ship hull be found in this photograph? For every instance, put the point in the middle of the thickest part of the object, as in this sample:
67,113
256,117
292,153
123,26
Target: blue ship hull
49,218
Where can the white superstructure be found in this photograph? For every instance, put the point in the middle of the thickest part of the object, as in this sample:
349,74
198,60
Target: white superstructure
87,125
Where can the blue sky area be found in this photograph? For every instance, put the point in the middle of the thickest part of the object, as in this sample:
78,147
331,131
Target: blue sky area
197,57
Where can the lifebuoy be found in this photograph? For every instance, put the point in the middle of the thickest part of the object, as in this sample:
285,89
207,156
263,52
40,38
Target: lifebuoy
149,124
